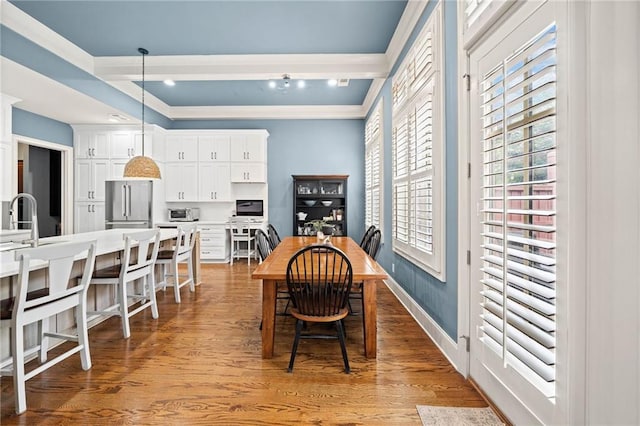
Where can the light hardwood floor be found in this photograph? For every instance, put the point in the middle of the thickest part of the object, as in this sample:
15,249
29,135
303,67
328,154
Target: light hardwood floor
200,363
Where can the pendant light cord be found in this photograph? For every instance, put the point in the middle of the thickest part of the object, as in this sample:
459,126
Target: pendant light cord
144,52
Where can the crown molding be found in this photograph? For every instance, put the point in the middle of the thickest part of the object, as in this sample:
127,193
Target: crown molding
372,94
131,89
295,112
408,20
20,22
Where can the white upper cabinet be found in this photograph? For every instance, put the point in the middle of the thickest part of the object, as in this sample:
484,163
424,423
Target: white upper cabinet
181,181
127,144
92,144
249,173
215,181
213,148
181,148
249,148
90,178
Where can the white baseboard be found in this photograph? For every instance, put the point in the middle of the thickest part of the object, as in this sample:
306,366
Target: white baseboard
442,340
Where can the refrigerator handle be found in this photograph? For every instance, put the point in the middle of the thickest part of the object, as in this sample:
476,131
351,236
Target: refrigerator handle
124,200
129,200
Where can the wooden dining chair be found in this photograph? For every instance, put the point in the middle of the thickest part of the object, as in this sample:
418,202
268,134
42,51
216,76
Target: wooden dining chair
364,243
372,248
319,280
263,245
274,238
264,250
40,306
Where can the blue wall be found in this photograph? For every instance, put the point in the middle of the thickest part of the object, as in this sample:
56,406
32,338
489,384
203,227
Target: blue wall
438,299
306,147
36,126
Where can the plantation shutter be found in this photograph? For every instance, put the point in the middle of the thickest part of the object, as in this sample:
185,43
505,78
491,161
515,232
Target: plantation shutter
372,167
472,11
519,211
400,146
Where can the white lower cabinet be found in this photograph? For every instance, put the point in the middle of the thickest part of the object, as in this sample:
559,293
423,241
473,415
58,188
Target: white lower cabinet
89,217
214,243
181,181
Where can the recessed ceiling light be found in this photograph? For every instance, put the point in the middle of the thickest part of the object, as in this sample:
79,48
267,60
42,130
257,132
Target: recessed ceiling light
272,84
301,84
333,82
117,118
170,82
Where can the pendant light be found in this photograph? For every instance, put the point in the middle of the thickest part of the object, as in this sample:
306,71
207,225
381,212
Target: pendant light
141,166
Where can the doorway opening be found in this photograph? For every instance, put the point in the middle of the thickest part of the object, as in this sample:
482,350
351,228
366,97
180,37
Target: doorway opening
44,170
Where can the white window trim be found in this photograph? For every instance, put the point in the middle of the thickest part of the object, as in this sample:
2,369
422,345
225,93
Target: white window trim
434,263
489,16
369,145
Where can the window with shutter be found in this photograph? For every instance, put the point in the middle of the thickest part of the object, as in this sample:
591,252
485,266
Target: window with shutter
418,153
373,168
518,210
479,15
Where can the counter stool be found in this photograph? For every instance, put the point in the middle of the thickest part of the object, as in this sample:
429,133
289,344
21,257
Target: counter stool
38,306
241,233
180,253
129,271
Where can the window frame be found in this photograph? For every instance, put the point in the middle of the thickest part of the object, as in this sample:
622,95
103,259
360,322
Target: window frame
374,140
408,91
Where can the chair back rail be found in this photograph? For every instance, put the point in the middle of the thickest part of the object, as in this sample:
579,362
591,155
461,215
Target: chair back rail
60,259
319,280
263,244
274,238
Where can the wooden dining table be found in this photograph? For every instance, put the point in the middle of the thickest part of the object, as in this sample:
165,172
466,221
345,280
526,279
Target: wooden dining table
274,268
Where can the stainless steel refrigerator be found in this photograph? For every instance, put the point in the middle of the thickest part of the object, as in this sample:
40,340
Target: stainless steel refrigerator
129,203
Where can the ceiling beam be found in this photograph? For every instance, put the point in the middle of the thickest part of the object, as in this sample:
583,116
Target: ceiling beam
289,112
243,67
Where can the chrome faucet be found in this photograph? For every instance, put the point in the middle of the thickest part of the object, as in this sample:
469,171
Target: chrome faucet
13,224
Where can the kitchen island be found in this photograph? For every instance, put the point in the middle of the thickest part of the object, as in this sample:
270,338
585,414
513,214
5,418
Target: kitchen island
109,244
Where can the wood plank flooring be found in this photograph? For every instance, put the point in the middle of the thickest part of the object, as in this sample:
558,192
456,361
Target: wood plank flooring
200,363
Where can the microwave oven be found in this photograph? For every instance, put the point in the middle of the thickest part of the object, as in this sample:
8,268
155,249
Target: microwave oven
188,214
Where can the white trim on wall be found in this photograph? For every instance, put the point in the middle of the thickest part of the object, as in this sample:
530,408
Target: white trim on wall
66,221
440,338
464,212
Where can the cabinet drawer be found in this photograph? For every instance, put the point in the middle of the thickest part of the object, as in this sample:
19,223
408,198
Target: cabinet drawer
217,230
211,242
212,253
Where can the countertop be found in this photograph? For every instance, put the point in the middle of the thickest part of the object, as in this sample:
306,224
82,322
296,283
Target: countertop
205,222
8,235
108,241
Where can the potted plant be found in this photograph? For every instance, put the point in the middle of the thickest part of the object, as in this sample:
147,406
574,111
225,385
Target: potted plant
320,227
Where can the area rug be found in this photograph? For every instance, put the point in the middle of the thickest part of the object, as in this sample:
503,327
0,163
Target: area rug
458,416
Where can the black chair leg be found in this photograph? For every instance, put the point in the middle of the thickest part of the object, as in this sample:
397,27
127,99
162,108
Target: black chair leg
347,369
294,350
